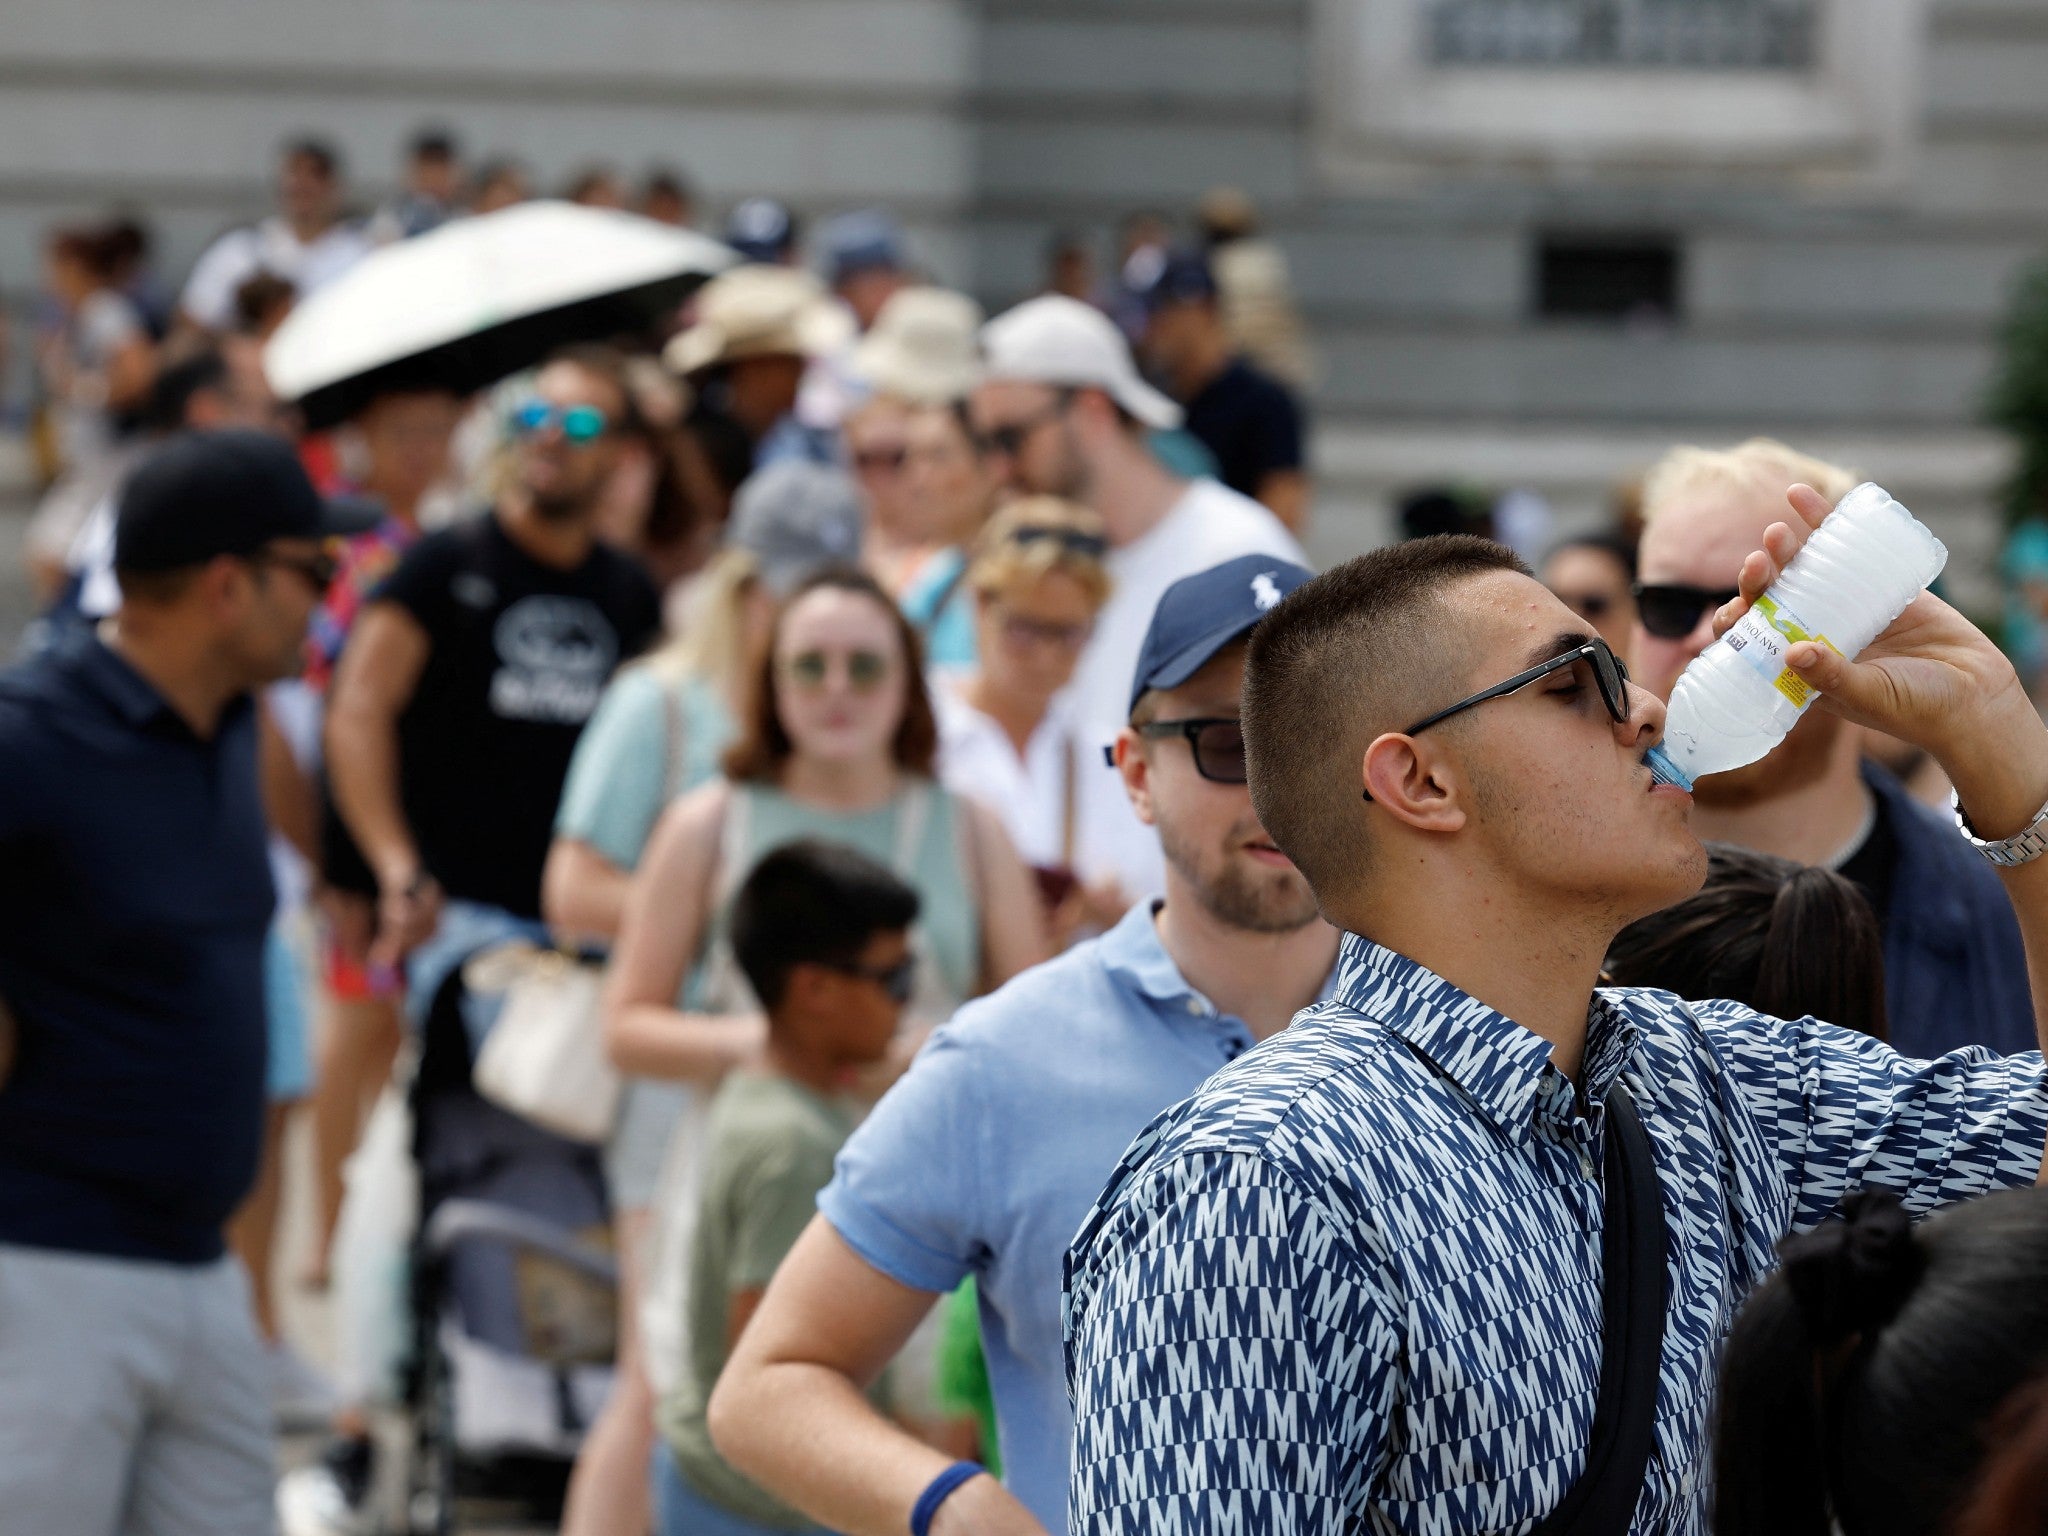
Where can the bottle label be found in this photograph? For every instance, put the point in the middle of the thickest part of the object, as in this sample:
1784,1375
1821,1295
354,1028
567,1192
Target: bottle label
1763,635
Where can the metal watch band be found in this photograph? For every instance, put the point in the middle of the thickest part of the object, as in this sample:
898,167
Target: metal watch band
2023,847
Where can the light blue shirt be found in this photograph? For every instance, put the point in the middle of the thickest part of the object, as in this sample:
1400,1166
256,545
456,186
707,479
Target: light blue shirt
984,1159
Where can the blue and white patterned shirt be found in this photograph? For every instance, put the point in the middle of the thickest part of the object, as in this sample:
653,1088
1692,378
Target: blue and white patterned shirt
1354,1282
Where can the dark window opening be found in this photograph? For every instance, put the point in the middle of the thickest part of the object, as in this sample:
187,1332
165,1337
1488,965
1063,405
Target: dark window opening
1616,278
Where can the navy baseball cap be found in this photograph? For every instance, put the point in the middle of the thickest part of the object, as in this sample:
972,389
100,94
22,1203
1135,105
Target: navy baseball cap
761,229
1182,275
204,494
1200,614
866,240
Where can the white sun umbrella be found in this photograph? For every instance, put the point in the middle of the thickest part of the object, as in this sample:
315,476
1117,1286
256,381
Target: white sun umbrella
480,298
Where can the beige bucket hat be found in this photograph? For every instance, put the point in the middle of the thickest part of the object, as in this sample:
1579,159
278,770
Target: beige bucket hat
759,311
922,347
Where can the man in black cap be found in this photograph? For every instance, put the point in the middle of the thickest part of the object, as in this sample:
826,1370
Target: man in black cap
1246,417
985,1156
135,896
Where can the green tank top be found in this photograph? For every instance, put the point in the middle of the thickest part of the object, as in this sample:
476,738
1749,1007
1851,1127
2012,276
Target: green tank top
916,833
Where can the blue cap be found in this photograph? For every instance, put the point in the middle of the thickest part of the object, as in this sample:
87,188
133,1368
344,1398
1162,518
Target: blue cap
1200,614
862,241
1182,275
761,229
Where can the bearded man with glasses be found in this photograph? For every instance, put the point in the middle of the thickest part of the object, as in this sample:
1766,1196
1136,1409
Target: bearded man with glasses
1954,973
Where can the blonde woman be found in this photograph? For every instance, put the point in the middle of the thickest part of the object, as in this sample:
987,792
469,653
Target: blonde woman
659,733
1036,581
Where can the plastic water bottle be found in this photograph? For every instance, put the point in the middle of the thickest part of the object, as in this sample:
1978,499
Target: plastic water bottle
1857,572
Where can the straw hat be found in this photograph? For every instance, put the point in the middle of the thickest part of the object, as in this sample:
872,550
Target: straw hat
921,347
759,311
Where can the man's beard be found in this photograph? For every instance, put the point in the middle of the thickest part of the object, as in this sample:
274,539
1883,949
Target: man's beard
560,508
1237,894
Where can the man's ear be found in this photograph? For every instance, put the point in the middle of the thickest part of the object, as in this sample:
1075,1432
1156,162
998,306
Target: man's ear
1415,782
1135,768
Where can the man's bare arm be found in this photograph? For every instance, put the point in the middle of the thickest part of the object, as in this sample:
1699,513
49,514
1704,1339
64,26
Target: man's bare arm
790,1412
380,669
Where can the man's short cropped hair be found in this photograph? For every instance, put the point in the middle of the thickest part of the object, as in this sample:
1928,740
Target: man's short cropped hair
1762,465
1366,648
435,143
812,902
316,152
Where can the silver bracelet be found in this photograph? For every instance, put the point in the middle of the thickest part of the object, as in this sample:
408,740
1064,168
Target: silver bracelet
2023,847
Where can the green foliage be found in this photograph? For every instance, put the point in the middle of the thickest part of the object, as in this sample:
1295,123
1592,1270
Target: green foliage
2018,401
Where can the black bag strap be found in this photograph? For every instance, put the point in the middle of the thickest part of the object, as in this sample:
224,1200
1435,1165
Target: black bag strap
1635,1288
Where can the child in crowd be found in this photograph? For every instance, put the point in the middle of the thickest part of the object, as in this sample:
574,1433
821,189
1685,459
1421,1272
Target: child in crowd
822,934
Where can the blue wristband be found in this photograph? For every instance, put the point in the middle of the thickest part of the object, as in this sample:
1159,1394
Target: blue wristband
940,1489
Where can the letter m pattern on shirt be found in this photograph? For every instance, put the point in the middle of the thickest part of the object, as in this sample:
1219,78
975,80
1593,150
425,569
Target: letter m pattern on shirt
1354,1283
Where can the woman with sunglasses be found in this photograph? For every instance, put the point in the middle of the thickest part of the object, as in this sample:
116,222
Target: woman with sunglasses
1592,575
1037,582
838,743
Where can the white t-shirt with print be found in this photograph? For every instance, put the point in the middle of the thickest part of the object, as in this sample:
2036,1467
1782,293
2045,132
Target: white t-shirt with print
1207,526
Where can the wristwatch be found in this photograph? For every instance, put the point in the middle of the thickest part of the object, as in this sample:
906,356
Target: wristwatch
2023,847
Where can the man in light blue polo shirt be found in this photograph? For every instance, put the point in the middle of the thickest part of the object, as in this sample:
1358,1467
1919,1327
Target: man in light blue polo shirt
985,1157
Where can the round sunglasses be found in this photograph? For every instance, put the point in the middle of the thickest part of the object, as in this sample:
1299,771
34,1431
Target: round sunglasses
865,670
578,423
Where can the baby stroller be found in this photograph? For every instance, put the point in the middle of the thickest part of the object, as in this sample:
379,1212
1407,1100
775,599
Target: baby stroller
514,1310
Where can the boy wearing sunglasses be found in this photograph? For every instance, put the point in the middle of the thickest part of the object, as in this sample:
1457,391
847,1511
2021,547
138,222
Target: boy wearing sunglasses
1954,971
823,936
1360,1280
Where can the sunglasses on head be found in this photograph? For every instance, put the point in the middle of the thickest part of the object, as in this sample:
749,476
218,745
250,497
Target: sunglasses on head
1089,546
865,670
1218,745
1610,677
897,981
1671,610
578,423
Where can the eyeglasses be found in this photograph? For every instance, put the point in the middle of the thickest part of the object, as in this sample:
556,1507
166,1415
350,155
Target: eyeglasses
1218,745
1009,438
865,670
1671,610
317,571
1089,546
897,981
1025,632
578,423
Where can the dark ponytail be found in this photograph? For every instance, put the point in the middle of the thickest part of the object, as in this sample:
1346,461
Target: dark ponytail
1822,954
1780,937
1861,1380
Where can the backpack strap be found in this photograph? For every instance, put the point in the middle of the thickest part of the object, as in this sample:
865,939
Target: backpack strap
1634,1283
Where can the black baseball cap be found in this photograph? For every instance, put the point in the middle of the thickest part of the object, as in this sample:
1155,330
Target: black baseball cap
204,494
1200,614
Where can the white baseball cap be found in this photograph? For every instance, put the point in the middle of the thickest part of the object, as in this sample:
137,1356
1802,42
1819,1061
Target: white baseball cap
1061,341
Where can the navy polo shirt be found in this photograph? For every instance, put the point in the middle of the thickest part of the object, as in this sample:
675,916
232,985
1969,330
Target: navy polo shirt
134,899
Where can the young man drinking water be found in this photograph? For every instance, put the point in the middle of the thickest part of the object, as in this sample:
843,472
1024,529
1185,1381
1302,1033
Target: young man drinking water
1356,1281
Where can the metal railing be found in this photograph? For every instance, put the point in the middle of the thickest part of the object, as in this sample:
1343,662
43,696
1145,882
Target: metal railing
1628,34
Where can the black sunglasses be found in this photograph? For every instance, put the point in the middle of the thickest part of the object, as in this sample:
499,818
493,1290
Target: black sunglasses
1610,676
1009,438
897,981
1218,746
1671,610
317,571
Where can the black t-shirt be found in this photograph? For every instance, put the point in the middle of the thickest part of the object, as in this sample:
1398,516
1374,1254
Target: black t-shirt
520,653
1250,422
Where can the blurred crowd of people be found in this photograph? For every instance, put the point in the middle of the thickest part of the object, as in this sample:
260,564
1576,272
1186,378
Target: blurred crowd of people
837,676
